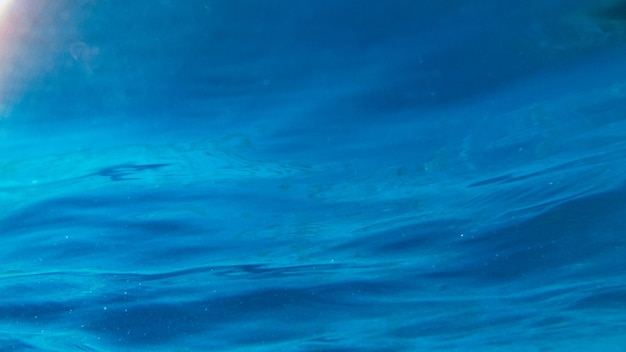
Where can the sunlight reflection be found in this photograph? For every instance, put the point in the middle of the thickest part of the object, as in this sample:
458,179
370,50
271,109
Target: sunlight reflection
3,4
32,34
4,54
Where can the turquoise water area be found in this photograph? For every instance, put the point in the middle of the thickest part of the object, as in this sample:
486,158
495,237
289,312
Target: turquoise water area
240,175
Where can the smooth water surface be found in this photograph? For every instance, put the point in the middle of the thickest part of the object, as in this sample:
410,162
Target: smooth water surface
399,175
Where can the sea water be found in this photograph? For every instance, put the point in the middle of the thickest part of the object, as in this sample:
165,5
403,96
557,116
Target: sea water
312,175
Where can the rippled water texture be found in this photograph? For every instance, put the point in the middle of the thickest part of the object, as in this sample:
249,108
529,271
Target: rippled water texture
312,175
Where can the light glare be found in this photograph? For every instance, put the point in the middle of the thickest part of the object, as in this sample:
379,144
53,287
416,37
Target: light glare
3,5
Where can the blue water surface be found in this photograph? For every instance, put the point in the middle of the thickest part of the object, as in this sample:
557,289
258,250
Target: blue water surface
243,175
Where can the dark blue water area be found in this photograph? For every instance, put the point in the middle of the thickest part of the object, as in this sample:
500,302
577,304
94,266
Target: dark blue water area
312,175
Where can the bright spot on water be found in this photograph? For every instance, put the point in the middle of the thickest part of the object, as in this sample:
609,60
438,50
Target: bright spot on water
3,5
